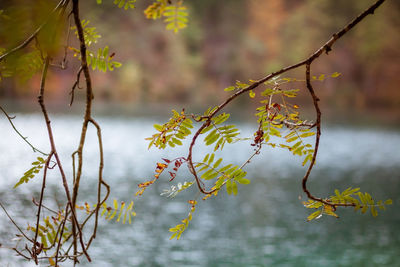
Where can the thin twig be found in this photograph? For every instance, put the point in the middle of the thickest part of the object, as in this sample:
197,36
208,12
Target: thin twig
87,116
76,84
44,206
101,182
15,224
61,234
21,254
40,206
23,137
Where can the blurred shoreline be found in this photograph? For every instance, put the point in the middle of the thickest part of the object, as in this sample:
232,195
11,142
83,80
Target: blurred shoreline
374,117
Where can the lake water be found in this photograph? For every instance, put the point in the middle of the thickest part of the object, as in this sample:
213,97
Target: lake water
264,225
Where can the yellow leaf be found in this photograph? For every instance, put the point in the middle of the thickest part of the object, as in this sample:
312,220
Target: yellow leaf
252,94
51,261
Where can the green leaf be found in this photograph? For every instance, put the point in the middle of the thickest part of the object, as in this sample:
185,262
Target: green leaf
210,135
225,168
217,163
126,4
230,88
231,170
221,118
364,208
311,204
229,187
243,181
101,60
328,210
307,158
315,215
292,139
234,188
158,127
388,202
176,141
374,212
274,131
209,175
29,174
241,85
298,151
120,211
206,158
212,139
211,159
176,17
241,174
307,134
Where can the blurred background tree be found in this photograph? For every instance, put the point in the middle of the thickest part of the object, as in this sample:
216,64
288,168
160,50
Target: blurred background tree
229,40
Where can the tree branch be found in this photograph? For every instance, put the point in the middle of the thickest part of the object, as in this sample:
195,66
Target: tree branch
46,166
23,137
54,152
327,47
15,224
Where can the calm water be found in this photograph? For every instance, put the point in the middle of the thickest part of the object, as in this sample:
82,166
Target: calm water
264,225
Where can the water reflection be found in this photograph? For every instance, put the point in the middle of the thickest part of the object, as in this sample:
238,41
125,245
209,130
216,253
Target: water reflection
263,226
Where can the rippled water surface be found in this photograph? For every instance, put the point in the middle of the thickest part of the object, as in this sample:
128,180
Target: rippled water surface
264,225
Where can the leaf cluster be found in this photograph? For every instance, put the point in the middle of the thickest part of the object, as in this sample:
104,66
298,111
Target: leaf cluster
220,134
228,175
180,228
160,167
156,9
175,15
122,212
125,4
172,132
282,120
101,60
49,231
239,85
90,34
299,147
350,197
30,174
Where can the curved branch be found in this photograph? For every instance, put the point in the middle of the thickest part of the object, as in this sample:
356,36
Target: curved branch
23,137
101,182
317,137
15,224
327,47
61,235
54,152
